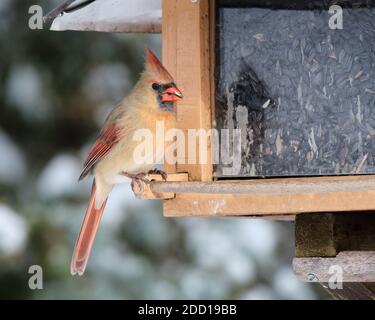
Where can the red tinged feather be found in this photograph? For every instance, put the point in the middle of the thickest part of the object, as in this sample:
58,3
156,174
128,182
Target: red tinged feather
155,63
107,139
86,236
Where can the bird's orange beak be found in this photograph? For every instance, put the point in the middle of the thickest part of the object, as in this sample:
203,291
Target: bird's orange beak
171,94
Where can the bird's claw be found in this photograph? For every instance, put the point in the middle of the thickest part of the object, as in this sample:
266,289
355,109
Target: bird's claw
139,183
137,178
163,174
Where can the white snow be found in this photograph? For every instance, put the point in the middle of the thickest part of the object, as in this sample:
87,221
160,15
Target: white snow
259,292
108,82
161,290
12,163
60,177
115,211
220,250
196,284
24,90
13,231
239,267
111,16
258,236
289,287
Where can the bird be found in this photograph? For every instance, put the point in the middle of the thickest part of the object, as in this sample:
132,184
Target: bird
152,99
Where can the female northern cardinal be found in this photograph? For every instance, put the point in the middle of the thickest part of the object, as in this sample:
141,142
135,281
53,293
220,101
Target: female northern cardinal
111,156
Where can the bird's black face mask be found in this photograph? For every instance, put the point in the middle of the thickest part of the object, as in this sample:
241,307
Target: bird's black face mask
167,94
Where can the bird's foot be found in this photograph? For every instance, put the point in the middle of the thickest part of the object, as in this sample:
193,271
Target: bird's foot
137,178
163,174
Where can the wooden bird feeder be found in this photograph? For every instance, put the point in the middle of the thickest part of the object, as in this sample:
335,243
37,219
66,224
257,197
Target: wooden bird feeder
303,96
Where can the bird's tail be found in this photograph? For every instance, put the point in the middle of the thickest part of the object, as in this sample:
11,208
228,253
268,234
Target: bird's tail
86,236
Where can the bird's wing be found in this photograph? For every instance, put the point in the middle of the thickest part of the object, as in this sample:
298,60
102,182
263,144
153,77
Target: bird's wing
108,137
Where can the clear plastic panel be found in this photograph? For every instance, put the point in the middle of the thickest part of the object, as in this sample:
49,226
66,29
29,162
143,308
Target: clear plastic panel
302,93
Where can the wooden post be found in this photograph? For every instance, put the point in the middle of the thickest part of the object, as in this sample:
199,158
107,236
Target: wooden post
186,54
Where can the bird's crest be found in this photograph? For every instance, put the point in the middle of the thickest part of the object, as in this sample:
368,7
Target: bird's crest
155,65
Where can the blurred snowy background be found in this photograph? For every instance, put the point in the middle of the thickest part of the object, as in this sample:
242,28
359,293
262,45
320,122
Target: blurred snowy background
55,91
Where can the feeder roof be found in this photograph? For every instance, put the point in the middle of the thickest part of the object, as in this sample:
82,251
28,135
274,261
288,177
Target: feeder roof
108,16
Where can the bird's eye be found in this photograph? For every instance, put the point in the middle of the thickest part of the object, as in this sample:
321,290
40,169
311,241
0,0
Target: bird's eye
155,86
